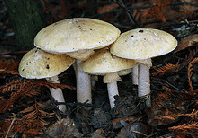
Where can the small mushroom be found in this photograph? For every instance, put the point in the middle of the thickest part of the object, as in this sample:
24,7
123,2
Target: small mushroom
141,44
103,63
38,64
78,38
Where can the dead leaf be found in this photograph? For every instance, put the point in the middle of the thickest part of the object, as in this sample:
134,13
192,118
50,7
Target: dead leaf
63,128
156,10
187,42
99,133
188,9
107,8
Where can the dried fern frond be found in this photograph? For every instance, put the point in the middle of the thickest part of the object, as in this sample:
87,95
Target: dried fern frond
194,92
195,60
36,114
189,75
188,59
32,122
167,118
187,129
27,110
9,67
54,85
167,68
17,90
193,115
26,88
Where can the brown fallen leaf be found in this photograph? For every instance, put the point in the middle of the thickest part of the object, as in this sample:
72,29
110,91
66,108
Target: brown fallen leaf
187,42
188,9
63,128
157,10
136,129
98,133
107,8
165,10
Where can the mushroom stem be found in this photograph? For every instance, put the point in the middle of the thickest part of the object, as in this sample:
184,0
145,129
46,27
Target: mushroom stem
111,80
134,74
83,85
144,83
57,93
112,91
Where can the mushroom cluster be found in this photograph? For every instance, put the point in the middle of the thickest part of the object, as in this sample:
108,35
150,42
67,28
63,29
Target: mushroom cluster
78,38
90,43
103,63
142,44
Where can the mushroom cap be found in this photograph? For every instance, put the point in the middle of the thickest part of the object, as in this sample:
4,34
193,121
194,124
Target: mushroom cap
81,54
124,72
71,35
38,64
104,62
143,43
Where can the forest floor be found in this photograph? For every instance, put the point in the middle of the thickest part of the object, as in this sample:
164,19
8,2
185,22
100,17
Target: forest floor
26,106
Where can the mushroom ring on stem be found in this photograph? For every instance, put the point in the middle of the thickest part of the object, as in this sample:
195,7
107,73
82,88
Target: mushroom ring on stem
78,38
141,44
103,63
38,64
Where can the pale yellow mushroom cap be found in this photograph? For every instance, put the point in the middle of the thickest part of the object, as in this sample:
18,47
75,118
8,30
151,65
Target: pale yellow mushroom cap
143,43
104,62
81,54
38,64
71,35
124,72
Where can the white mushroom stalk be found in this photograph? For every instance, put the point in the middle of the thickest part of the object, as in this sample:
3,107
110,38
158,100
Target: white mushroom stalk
111,80
83,85
144,83
112,91
144,80
57,93
83,79
134,74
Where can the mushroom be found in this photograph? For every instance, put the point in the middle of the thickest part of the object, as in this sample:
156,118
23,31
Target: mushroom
140,44
78,38
103,63
38,64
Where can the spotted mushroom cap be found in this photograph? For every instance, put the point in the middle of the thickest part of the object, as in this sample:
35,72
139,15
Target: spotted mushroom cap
38,64
143,43
71,35
103,62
